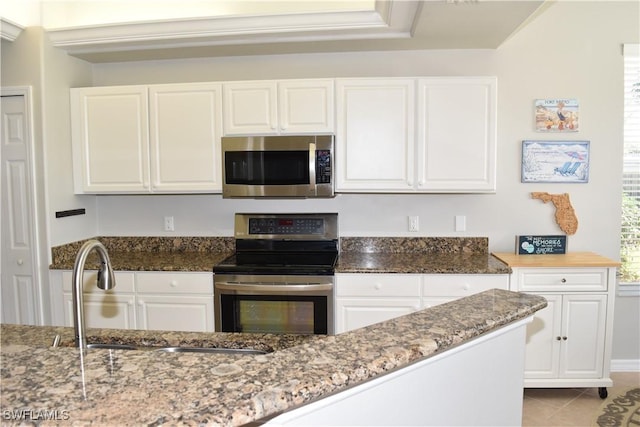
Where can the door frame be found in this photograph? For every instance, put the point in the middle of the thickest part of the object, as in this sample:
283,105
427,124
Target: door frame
38,234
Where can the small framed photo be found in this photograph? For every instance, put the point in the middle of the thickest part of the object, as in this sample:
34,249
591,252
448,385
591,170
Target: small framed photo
555,161
557,115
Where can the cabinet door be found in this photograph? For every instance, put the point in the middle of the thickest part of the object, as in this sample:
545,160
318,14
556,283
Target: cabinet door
110,139
457,134
582,338
106,310
175,313
543,346
185,132
306,106
250,108
102,309
375,135
354,313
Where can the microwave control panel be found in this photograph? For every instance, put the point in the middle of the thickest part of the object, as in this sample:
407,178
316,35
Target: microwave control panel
323,166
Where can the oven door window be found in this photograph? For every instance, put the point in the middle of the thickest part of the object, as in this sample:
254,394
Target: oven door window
282,314
267,167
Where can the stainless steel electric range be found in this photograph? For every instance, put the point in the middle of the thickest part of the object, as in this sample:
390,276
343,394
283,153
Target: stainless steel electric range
281,277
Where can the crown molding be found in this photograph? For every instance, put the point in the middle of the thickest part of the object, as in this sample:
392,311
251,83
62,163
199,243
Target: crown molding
390,19
9,30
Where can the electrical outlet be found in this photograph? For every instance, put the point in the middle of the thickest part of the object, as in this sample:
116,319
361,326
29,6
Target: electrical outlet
414,223
460,223
168,223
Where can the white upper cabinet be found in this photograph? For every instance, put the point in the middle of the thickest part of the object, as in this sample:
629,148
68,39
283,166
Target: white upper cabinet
110,134
186,127
141,139
279,107
457,134
375,141
431,135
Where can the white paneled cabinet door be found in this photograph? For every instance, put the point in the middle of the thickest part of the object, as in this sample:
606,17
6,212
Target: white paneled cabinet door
582,339
251,107
306,106
114,308
185,132
375,135
457,134
110,134
177,301
175,313
107,310
543,348
354,313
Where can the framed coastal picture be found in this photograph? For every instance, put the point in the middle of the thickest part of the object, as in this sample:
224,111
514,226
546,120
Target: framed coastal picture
557,115
555,161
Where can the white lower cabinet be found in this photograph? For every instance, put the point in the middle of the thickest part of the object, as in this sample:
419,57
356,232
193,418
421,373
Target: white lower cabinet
363,299
569,342
566,339
114,309
179,301
175,301
441,288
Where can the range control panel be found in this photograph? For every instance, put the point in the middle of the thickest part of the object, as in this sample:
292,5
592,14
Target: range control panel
286,226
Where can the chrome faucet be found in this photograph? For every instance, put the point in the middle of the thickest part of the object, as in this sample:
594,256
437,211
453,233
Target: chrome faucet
106,281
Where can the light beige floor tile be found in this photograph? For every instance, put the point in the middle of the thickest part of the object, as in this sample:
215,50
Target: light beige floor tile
571,407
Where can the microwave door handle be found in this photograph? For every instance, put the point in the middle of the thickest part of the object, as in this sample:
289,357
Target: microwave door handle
312,167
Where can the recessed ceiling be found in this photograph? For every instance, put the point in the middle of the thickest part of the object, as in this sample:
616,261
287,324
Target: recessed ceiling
92,30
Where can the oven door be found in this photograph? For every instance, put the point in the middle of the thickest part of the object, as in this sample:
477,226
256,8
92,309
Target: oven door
274,304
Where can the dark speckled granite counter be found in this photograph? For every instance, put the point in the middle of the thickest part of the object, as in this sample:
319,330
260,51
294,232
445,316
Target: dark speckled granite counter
151,253
422,255
131,387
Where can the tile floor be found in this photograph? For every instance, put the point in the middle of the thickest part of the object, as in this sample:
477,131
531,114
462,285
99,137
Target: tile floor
572,406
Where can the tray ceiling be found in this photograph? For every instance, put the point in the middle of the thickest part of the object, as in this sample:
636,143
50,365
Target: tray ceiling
89,31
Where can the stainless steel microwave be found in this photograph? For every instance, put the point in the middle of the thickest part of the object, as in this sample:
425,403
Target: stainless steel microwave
278,166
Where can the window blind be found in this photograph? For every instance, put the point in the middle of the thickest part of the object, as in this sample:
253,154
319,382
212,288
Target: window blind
630,233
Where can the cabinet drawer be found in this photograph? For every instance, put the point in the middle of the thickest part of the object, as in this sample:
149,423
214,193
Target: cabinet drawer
378,285
124,282
564,279
461,285
174,283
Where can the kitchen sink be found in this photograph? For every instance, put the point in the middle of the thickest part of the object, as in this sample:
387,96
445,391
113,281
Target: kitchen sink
211,350
178,349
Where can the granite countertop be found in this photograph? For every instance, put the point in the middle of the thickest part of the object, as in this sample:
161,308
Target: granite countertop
118,387
354,262
437,255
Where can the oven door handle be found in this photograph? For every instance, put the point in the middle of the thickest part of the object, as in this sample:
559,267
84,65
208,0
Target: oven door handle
261,287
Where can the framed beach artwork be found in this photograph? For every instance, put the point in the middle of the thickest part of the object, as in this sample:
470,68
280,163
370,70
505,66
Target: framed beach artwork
555,161
557,115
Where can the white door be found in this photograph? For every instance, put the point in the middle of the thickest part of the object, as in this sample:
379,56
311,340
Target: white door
19,277
354,313
185,130
544,338
583,329
375,134
175,313
457,134
110,139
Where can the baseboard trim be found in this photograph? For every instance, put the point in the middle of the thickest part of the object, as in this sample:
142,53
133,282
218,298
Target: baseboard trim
625,365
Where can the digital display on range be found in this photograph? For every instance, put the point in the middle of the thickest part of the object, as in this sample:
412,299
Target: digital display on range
286,226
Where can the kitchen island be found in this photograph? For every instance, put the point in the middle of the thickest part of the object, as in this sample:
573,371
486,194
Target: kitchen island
124,387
